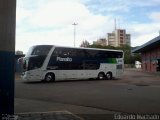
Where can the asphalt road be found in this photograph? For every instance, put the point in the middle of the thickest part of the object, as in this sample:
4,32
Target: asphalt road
135,92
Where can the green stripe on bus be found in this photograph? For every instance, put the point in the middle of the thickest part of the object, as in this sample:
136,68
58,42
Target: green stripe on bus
112,60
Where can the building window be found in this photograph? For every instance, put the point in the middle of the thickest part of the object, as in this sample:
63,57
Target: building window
121,34
158,65
121,41
121,38
121,31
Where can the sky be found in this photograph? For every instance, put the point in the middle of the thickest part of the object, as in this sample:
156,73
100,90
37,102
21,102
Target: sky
50,21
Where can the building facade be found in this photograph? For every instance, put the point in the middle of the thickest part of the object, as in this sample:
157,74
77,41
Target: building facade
118,38
150,53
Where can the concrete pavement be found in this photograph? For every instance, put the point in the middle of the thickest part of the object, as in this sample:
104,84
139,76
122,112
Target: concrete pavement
33,109
41,109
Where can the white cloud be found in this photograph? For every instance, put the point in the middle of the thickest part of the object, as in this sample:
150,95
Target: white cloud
142,33
155,16
22,14
51,23
59,13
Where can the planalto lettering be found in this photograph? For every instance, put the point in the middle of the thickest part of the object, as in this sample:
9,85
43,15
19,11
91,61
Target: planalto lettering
67,59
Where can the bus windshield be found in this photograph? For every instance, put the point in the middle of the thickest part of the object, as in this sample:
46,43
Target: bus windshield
36,56
33,62
39,50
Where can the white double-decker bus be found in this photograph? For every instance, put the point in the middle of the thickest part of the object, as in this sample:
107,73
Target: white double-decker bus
50,63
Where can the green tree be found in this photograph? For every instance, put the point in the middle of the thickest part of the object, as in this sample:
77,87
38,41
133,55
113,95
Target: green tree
100,46
85,43
127,53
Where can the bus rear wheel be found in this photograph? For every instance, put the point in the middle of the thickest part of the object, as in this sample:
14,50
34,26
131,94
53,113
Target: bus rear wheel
109,76
101,76
50,77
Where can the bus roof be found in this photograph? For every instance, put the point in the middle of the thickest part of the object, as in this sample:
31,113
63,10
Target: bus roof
81,48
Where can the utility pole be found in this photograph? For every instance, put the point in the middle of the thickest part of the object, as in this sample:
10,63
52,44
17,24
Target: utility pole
115,24
75,33
7,57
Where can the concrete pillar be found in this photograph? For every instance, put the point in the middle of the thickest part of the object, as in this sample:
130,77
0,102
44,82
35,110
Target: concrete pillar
7,54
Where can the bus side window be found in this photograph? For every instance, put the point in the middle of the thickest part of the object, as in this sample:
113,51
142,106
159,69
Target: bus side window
100,54
73,53
80,52
65,52
57,52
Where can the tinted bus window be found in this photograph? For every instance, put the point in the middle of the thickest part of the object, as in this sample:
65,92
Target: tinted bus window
70,52
35,62
80,52
41,50
109,54
91,53
60,51
102,54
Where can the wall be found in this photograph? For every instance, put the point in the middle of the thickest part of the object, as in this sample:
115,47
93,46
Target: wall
149,60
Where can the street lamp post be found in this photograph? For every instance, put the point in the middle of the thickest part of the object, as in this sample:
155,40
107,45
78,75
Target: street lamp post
75,32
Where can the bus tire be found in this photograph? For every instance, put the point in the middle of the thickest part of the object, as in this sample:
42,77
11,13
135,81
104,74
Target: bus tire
109,75
101,76
49,77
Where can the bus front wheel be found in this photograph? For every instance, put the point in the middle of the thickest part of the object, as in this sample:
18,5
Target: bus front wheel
50,77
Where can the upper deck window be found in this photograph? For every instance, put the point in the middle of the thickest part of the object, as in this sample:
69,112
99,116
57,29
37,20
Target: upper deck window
39,50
